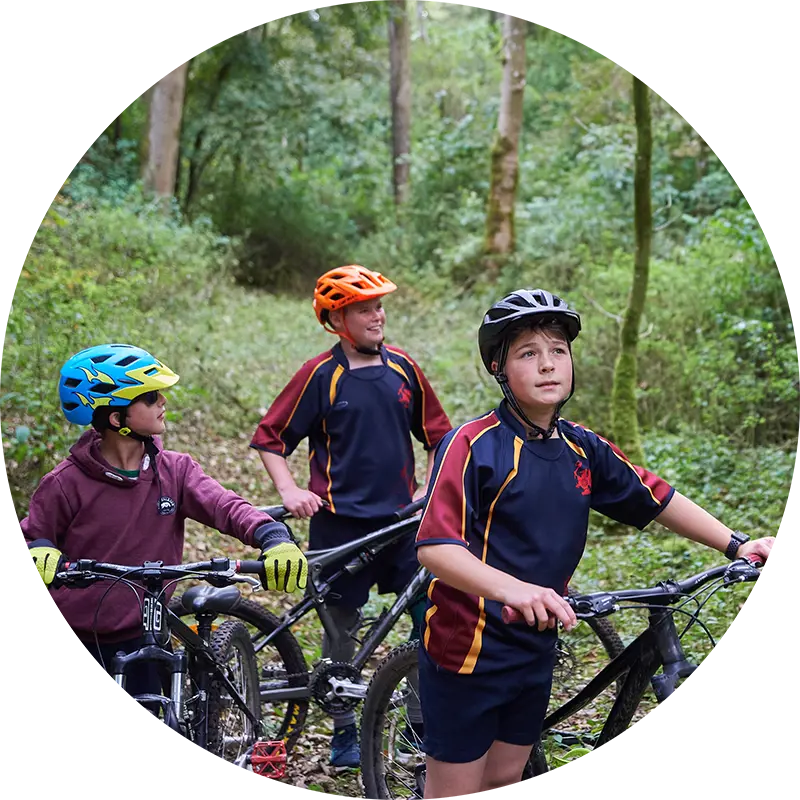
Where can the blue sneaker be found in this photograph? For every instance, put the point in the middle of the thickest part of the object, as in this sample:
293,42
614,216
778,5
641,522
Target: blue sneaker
345,749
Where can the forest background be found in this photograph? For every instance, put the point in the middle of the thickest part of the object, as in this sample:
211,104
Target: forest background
286,170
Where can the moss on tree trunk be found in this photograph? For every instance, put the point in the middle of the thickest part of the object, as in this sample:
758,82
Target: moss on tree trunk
499,239
624,416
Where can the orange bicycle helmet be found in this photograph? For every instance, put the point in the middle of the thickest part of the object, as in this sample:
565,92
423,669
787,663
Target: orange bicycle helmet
344,286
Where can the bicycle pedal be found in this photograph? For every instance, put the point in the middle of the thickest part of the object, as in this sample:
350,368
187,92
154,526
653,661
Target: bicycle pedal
268,758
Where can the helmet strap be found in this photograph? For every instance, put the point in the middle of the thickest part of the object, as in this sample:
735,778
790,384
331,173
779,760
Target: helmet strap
365,351
501,377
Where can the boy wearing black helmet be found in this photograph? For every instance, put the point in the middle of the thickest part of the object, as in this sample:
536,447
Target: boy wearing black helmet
505,524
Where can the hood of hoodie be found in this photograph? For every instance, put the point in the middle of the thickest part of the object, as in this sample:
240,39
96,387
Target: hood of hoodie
85,454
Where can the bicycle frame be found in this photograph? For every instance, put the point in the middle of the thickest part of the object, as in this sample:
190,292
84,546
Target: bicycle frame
360,552
158,622
657,646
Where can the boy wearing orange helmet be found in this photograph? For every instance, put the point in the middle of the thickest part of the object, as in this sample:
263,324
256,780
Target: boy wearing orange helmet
358,405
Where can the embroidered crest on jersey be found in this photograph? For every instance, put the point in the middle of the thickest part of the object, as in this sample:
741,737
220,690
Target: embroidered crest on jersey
404,396
583,478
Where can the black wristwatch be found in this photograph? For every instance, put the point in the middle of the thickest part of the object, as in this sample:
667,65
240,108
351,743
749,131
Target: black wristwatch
737,540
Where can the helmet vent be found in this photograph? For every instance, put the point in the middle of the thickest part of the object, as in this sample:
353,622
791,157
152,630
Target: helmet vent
127,360
153,371
69,406
71,382
104,388
100,359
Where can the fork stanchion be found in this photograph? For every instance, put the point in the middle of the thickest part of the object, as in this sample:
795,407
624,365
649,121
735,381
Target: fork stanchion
268,760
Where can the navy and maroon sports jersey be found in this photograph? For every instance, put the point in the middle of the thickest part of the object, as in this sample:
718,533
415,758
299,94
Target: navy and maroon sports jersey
358,424
521,507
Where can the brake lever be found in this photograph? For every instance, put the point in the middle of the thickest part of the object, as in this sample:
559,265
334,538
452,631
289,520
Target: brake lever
255,583
742,570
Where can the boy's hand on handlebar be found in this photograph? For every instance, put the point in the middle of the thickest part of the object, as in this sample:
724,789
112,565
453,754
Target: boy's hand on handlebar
540,606
285,567
47,558
757,549
301,503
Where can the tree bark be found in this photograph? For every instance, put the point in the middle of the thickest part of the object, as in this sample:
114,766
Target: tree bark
505,150
624,417
400,87
163,133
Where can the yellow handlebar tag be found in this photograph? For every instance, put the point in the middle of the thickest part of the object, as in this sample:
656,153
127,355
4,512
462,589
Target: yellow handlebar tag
28,567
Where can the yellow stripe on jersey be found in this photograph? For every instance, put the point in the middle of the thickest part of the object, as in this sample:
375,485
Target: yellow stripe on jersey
477,639
397,368
419,383
429,613
577,448
337,373
626,462
299,398
332,509
463,480
441,467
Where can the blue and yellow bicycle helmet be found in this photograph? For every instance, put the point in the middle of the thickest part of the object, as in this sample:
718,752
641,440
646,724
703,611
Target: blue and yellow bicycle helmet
112,375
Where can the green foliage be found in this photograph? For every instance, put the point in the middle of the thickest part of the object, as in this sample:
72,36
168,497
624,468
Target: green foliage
275,158
744,487
94,273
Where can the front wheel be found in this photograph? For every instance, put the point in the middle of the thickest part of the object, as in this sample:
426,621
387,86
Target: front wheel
281,665
230,732
392,761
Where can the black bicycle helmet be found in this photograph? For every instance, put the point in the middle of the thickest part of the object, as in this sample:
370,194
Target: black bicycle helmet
499,325
514,311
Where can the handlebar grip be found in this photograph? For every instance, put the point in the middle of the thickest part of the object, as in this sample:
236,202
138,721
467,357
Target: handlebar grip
511,615
406,512
755,560
278,513
250,567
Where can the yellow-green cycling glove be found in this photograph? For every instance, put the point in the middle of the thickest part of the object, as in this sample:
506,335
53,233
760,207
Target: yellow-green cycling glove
47,557
285,566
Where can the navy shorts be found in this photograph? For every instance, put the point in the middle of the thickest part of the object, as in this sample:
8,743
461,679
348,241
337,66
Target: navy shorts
391,570
465,714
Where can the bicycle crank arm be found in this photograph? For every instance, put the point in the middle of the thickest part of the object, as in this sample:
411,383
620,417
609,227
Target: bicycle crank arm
346,688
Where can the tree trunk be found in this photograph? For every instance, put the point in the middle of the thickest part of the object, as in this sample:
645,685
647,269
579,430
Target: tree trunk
505,150
400,86
163,133
422,21
624,419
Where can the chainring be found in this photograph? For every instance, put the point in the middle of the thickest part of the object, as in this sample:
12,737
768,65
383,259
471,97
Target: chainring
320,688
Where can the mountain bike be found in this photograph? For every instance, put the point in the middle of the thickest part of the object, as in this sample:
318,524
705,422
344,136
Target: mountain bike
393,764
210,692
288,686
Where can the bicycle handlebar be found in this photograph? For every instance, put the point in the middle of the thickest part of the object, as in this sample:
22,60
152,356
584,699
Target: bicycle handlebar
217,571
600,604
406,512
279,513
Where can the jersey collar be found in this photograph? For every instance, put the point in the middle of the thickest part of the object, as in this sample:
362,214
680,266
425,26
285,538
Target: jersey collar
506,415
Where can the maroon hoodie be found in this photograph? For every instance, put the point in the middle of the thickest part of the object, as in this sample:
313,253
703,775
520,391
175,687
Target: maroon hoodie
87,510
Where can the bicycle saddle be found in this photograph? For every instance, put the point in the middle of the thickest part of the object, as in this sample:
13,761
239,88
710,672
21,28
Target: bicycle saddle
207,598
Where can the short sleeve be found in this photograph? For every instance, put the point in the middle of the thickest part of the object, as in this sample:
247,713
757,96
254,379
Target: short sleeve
621,490
293,414
453,496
